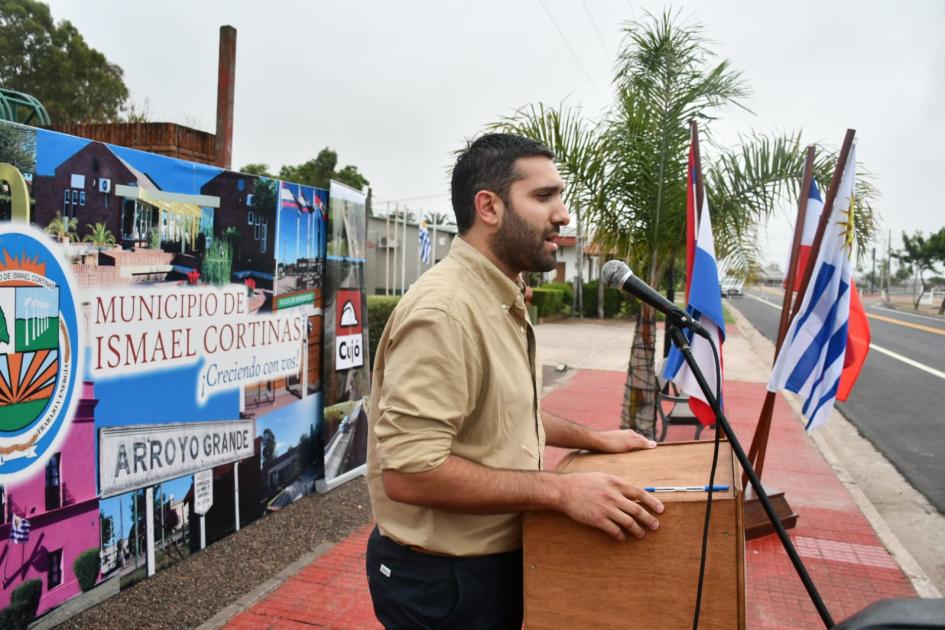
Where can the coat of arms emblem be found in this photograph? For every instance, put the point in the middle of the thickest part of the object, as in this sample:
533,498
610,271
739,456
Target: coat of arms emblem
38,361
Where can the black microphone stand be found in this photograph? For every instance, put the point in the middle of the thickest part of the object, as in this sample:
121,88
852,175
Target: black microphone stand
683,344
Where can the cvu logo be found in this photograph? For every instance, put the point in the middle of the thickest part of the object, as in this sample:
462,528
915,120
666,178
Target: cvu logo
39,351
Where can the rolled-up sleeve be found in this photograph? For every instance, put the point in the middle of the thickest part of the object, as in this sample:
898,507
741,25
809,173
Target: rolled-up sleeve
432,379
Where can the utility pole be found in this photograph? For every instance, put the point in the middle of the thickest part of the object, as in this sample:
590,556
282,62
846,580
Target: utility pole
403,257
387,252
579,247
873,273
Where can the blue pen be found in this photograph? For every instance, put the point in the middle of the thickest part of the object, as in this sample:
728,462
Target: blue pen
685,488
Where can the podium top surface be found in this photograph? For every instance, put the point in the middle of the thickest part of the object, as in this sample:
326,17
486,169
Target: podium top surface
673,464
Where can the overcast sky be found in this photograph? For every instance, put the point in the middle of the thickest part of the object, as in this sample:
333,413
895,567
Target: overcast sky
396,87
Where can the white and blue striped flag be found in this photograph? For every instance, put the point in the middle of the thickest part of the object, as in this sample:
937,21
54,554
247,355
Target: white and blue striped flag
425,242
705,306
20,530
811,361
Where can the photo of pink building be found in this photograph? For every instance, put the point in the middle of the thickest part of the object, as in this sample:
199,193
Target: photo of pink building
62,507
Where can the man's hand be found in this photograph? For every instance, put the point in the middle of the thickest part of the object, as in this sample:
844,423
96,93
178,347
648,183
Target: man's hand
608,503
621,441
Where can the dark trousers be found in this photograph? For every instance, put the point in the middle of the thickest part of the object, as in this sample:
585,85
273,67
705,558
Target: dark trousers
415,590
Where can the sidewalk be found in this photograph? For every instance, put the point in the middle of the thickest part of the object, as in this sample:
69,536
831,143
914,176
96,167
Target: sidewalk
846,559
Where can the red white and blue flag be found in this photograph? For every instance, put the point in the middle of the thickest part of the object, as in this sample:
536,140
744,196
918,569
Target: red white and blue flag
815,206
704,304
826,344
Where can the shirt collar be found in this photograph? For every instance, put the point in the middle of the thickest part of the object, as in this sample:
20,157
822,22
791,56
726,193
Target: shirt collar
506,291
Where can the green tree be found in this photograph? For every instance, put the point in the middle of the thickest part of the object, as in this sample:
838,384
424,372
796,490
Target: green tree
440,218
319,171
315,172
4,329
107,526
626,171
99,235
52,62
63,228
351,176
256,168
923,255
18,147
268,446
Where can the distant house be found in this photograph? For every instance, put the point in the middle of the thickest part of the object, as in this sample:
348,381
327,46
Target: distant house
566,268
385,253
62,507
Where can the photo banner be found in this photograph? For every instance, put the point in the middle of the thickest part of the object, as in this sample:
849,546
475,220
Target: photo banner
159,320
346,367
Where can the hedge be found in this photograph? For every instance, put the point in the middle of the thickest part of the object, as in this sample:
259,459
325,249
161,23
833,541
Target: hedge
613,301
548,301
379,309
568,298
86,567
24,602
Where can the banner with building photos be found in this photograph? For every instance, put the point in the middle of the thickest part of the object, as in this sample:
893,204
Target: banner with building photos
159,319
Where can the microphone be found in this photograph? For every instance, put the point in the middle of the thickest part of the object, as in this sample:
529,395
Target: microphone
616,274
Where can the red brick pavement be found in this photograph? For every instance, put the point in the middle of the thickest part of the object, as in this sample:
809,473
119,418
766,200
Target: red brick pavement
846,560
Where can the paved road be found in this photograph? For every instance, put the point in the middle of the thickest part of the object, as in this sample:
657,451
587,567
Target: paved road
898,402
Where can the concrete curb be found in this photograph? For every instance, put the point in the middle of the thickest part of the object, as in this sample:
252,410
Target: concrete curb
923,584
246,601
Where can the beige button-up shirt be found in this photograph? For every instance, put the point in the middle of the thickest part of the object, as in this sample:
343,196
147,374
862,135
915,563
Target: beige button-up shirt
455,373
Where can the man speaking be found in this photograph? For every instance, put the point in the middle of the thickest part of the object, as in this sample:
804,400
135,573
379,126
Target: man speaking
456,430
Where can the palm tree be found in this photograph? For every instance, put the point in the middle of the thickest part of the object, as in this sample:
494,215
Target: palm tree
626,171
99,235
63,228
440,218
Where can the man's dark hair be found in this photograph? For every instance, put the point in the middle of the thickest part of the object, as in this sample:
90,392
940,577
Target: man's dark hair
489,164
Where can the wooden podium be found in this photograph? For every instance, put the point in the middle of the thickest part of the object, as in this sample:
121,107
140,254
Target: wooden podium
579,577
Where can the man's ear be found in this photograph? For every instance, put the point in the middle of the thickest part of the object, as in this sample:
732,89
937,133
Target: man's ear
488,207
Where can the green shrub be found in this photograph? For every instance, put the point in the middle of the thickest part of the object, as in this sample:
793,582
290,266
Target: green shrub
86,567
548,301
218,263
613,302
24,602
379,309
568,298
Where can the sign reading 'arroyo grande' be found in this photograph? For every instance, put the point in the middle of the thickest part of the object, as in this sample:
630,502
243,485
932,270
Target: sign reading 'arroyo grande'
137,456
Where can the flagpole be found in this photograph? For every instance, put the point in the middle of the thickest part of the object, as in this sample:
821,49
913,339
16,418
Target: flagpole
759,443
700,189
419,243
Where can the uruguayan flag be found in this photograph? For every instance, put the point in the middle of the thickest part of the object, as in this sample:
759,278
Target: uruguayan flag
425,243
705,306
811,361
20,530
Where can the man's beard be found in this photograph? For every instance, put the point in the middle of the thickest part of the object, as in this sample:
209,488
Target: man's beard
521,246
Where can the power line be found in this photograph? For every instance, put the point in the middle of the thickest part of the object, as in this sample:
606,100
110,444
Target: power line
594,24
573,54
413,199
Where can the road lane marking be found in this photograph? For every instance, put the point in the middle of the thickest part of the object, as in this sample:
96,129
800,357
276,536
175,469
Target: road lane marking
898,312
764,301
909,361
899,322
880,349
